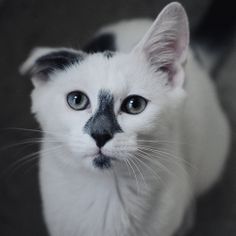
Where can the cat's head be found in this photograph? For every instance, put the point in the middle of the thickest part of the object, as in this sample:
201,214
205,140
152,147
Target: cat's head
103,107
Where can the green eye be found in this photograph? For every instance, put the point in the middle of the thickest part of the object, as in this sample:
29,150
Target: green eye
134,104
77,100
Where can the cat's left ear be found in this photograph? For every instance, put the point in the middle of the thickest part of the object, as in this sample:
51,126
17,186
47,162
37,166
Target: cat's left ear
165,45
42,62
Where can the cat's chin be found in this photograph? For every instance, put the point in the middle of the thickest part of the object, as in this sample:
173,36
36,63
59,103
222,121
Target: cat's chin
102,162
99,162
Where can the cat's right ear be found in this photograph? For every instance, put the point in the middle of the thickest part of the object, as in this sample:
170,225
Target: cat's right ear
165,45
42,62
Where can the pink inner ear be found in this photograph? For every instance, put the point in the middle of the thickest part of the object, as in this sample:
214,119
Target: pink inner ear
175,46
170,70
165,69
164,52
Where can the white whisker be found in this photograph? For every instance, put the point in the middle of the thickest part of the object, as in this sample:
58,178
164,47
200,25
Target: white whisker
135,176
139,171
156,176
166,156
147,157
26,159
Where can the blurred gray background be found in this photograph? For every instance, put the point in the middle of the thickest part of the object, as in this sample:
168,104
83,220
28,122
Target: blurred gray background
25,24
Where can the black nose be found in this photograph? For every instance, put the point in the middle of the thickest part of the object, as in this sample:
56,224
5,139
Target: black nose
101,138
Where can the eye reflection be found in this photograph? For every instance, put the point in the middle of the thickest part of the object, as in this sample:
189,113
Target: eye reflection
134,104
77,100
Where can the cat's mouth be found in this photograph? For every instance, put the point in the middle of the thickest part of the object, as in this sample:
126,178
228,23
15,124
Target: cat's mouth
102,161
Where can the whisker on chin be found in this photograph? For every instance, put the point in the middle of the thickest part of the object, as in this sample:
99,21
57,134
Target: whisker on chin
141,174
128,168
146,156
155,174
149,168
142,154
162,154
135,176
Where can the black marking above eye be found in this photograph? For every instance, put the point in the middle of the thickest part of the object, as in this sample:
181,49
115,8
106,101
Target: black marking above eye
77,100
57,60
134,104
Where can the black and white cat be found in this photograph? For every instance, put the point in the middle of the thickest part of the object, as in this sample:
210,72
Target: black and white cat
132,137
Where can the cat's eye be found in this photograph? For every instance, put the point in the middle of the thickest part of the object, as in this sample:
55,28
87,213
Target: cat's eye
134,104
77,100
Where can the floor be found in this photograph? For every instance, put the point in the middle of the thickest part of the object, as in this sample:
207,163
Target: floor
25,24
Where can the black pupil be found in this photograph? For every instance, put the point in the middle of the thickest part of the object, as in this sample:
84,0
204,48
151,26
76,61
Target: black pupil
77,99
135,103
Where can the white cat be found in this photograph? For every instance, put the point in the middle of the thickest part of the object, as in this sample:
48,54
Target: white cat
130,138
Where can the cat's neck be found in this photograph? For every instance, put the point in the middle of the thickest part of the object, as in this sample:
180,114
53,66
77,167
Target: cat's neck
88,192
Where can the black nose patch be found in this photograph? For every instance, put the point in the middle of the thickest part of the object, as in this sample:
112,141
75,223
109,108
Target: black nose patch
101,139
103,124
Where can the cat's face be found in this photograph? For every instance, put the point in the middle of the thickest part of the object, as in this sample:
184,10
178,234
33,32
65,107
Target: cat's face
118,98
102,107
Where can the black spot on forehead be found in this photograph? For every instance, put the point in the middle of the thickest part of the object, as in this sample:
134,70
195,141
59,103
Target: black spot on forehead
101,43
104,119
108,54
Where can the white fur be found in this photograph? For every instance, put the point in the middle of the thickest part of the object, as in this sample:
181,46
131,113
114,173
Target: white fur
185,121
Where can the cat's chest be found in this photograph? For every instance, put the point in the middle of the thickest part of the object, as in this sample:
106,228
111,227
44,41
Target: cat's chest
90,206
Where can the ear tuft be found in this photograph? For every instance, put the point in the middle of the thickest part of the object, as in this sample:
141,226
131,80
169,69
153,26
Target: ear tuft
43,61
165,45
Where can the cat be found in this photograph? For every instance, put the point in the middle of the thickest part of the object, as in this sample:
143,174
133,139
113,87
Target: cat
131,137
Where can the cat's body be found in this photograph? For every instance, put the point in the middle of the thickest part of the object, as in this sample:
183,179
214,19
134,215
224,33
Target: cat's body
176,147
